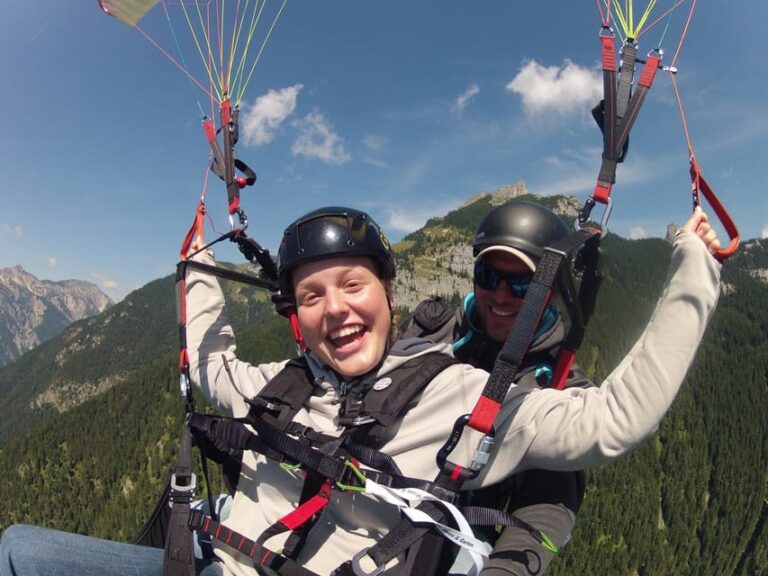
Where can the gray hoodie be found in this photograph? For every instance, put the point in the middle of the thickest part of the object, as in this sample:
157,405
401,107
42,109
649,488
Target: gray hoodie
559,430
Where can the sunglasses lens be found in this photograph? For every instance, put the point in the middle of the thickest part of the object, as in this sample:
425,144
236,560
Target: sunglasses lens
489,278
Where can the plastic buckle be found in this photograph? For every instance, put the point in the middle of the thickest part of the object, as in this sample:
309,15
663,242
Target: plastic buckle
187,488
358,569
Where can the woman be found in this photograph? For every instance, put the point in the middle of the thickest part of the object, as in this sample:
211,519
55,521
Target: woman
336,266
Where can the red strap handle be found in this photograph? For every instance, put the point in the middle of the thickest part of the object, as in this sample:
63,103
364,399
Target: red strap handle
195,231
700,186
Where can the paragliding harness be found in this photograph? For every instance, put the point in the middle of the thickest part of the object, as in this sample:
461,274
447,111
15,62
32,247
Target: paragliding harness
352,460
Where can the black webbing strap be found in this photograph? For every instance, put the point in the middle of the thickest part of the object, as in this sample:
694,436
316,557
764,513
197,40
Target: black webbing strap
482,516
518,341
404,536
261,556
182,266
179,557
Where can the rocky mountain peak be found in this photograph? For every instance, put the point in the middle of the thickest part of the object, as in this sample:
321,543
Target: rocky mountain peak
34,310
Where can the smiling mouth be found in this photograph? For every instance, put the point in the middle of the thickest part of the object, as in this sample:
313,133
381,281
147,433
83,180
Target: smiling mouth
502,313
346,335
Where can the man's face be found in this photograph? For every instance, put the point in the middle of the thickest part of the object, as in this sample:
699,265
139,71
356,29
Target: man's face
498,308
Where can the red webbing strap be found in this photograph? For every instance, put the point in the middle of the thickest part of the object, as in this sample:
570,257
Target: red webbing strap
304,513
261,556
196,230
608,49
563,367
484,414
700,186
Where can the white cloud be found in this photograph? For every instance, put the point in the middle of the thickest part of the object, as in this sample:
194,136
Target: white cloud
105,282
556,89
764,233
52,262
317,139
464,99
260,121
14,231
637,233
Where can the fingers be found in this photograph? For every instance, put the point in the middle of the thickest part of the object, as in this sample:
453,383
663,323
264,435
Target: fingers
709,236
699,224
694,220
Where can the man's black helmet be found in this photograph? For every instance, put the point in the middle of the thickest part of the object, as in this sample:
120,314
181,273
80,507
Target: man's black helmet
520,224
329,232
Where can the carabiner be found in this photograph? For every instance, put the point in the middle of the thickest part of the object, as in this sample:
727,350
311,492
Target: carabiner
586,211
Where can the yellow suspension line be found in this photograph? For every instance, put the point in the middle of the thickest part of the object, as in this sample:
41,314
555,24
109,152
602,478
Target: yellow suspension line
208,69
643,20
261,50
255,19
236,44
619,16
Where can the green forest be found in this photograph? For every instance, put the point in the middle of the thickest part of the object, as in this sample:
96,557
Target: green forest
693,501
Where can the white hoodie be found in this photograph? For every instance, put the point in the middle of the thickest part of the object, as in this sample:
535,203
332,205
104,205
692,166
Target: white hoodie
560,430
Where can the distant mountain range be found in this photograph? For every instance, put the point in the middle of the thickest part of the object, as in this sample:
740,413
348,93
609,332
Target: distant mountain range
33,311
89,419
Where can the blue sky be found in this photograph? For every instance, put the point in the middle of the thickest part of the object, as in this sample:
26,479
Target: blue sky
403,108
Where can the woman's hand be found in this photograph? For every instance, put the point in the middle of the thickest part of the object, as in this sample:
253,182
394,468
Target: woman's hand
699,224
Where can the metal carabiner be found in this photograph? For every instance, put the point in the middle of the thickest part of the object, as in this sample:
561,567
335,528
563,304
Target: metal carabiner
586,211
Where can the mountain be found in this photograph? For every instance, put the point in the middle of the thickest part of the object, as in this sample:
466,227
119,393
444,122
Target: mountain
92,355
693,501
32,310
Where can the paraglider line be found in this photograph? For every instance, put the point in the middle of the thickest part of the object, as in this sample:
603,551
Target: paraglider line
171,58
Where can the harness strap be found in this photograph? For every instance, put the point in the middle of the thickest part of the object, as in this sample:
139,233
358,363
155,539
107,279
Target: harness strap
519,339
261,555
179,557
580,307
300,520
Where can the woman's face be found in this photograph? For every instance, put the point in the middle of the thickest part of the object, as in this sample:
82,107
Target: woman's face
343,312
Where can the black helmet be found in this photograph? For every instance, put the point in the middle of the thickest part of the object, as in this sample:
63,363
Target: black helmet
329,232
525,226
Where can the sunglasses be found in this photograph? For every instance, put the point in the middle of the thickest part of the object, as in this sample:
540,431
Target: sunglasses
489,278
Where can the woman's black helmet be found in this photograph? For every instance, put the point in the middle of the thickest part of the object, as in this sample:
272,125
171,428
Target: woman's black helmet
522,225
329,232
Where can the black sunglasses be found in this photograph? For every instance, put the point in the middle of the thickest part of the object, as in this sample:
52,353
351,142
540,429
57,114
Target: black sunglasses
489,278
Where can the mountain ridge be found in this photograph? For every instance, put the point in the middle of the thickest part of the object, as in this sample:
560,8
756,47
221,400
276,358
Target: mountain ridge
33,310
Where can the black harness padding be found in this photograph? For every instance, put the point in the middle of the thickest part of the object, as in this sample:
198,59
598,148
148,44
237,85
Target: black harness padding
372,411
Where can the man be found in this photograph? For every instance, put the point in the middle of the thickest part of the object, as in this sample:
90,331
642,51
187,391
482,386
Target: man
508,245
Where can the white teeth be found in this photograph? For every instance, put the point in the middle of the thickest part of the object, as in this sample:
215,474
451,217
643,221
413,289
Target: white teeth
346,331
501,312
